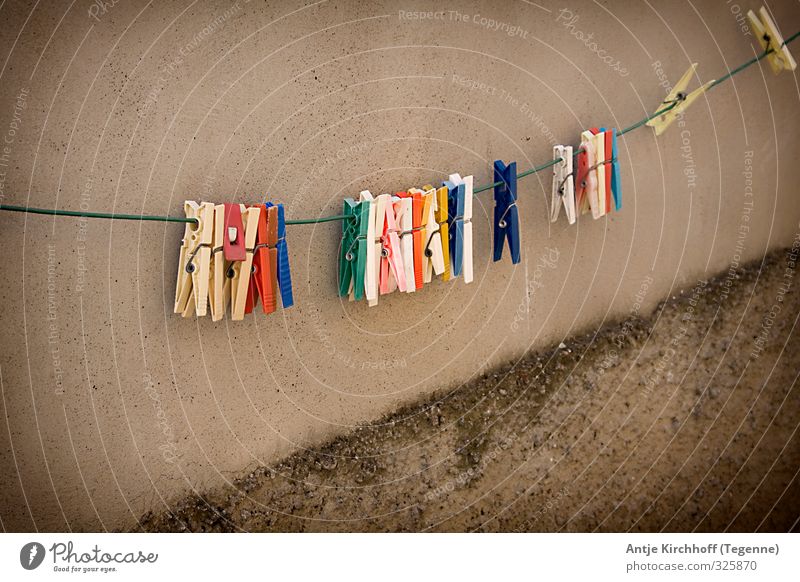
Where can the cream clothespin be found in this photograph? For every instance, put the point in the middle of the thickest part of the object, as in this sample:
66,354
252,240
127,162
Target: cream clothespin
194,261
373,251
403,211
770,38
678,94
599,209
563,184
219,288
468,195
434,249
242,269
380,220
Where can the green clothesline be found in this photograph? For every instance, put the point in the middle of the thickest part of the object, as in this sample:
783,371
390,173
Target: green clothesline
151,217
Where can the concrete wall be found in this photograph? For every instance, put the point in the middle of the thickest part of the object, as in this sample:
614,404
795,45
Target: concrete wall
115,406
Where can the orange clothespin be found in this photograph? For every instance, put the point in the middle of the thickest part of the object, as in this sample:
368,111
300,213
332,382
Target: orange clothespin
416,213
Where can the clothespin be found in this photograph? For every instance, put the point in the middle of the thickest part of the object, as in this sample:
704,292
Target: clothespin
195,259
373,250
586,180
261,274
770,38
415,194
608,168
392,271
677,95
467,182
404,215
271,300
563,188
616,179
380,221
353,252
444,229
506,213
234,245
455,205
284,271
433,244
603,181
219,287
240,281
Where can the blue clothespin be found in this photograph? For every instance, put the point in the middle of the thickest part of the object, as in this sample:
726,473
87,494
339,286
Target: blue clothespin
455,218
284,273
616,181
506,214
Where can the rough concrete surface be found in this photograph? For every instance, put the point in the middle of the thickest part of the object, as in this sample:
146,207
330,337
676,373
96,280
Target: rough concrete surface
113,407
684,421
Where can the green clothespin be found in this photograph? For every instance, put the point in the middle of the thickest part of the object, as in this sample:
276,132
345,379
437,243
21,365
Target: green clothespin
353,252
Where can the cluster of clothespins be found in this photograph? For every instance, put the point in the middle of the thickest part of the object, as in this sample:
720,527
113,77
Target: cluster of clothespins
399,242
233,254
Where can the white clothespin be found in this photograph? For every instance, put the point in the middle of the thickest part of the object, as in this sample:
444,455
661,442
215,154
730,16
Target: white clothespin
770,38
563,184
191,290
219,287
403,213
373,251
678,93
467,267
242,269
433,243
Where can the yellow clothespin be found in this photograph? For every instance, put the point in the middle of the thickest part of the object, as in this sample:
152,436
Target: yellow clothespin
195,257
770,38
678,94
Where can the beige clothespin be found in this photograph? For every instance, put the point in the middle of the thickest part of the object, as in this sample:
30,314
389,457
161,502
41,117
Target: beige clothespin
195,257
241,269
219,288
678,94
770,38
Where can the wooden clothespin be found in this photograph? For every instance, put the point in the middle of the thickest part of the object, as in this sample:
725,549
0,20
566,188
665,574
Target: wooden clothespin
404,215
392,271
677,95
194,264
563,193
603,199
780,59
242,269
466,221
506,213
219,288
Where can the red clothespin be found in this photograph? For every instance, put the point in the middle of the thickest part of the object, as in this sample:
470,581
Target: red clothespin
233,244
260,278
607,138
270,297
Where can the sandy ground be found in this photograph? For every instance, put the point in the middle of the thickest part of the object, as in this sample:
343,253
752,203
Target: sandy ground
683,421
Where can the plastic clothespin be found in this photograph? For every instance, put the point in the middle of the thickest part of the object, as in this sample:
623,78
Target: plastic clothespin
373,250
219,285
444,229
506,213
392,271
380,221
434,249
415,195
563,192
586,180
404,215
455,206
284,271
240,281
194,263
608,166
234,243
260,276
353,252
770,38
467,182
678,94
616,179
